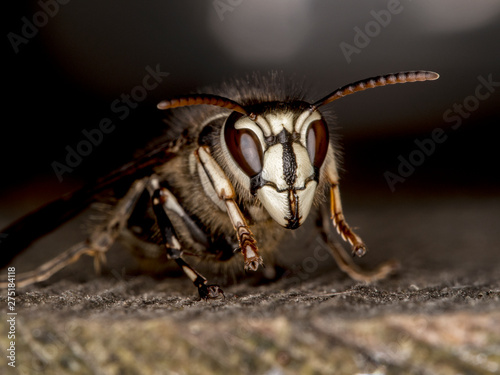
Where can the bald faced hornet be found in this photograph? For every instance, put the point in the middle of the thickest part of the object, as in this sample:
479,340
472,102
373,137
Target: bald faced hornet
244,162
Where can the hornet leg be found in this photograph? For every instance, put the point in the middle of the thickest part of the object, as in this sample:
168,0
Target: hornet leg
344,260
96,245
211,171
162,198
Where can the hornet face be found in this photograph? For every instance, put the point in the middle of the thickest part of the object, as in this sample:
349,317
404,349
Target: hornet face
277,155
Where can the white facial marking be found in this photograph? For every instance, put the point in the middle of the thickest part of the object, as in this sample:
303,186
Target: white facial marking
304,167
296,169
272,169
263,124
301,125
278,206
273,166
275,203
280,121
306,198
246,123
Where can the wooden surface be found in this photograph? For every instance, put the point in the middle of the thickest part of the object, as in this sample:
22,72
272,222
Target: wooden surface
439,315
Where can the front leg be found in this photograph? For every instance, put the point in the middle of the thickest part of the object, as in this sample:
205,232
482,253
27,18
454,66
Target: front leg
162,199
342,258
345,262
209,169
337,216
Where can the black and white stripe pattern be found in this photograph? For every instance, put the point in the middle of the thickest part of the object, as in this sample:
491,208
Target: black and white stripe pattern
287,183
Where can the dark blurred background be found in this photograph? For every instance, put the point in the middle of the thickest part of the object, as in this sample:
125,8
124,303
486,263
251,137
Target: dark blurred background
62,76
440,220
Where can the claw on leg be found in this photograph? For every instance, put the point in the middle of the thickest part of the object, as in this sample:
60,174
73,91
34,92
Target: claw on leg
206,291
210,291
253,264
358,247
359,250
249,248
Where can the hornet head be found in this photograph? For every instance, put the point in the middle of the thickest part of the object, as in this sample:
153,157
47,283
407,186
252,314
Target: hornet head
276,150
277,155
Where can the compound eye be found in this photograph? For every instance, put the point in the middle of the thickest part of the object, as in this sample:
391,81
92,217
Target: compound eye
317,142
244,147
